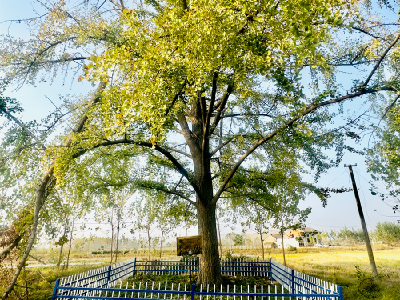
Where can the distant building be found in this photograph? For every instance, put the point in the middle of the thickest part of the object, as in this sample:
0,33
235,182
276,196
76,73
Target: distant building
287,241
275,240
306,237
269,241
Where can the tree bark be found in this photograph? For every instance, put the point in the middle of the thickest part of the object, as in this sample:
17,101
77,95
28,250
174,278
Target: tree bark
209,262
198,141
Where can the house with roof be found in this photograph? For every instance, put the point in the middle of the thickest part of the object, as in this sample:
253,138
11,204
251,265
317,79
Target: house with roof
307,237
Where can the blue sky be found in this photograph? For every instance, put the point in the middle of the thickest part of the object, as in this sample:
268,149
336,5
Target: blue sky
341,209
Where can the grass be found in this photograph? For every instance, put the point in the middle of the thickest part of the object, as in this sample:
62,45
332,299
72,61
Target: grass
345,266
349,267
38,283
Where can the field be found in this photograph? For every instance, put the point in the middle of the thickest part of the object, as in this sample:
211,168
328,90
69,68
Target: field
349,267
346,266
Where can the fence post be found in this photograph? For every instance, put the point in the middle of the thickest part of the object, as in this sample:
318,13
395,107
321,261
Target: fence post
270,269
340,291
134,268
192,294
108,273
55,289
292,281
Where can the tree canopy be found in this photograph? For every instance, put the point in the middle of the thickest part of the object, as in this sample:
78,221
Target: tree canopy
203,100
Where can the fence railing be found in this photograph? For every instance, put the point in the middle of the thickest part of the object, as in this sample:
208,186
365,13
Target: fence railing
99,278
237,267
101,283
297,282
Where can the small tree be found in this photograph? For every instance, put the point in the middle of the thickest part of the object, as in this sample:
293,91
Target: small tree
257,220
287,215
388,233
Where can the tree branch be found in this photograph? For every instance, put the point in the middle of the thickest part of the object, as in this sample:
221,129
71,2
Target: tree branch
7,251
221,146
206,128
241,115
175,99
164,189
380,60
22,125
289,123
187,133
366,32
221,107
163,151
42,192
178,151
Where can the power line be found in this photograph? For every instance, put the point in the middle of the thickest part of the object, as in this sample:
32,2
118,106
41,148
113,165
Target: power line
333,226
385,215
383,200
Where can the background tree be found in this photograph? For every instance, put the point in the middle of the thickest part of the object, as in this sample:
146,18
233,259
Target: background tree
257,220
287,214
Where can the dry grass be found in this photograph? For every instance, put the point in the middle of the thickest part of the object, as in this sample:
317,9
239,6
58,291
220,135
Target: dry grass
338,265
334,264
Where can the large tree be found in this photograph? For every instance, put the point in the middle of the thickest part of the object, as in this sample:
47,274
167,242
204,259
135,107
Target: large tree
204,91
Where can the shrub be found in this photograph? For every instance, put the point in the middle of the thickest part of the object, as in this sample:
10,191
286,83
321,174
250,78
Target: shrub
387,232
351,236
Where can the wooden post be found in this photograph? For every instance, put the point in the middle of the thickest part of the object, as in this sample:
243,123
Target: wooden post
364,226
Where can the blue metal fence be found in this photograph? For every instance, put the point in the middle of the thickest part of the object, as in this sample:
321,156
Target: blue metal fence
101,283
238,267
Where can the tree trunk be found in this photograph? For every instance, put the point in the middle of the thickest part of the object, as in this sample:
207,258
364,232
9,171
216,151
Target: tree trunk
41,193
60,256
117,247
283,252
262,241
70,244
162,236
219,236
149,240
198,141
210,268
112,235
44,189
283,246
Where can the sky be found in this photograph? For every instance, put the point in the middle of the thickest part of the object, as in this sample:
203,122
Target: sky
341,210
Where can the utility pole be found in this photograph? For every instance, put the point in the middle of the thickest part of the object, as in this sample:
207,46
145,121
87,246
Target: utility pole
364,226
